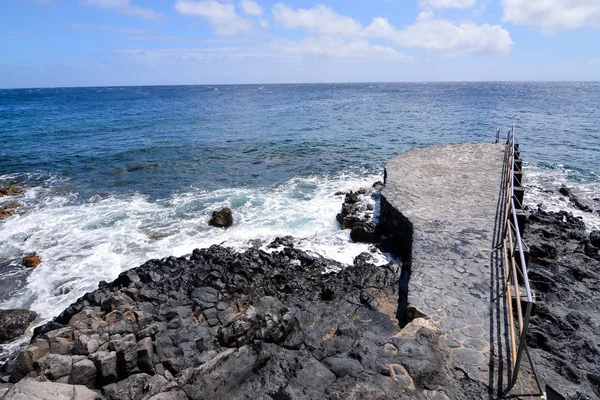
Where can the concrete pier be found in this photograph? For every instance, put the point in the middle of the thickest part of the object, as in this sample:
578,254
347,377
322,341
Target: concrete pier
442,203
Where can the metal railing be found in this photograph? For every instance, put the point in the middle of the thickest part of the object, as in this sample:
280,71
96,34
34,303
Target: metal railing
515,263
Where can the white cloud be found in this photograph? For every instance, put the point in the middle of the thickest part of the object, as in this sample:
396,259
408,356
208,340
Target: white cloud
427,32
320,20
125,7
445,37
251,7
551,15
321,47
447,3
222,17
327,47
264,23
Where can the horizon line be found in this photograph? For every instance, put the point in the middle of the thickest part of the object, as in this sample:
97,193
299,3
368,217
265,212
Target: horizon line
297,83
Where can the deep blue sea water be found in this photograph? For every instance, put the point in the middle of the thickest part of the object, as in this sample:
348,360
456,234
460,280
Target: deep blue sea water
117,175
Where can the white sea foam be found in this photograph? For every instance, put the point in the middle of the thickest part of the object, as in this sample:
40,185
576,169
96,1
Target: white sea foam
542,185
83,243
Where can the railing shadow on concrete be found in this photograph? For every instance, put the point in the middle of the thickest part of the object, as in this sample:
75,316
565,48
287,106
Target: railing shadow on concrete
510,284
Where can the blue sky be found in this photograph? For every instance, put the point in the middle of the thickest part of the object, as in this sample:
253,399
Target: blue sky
148,42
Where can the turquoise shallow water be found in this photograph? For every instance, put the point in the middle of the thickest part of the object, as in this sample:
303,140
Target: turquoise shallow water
117,175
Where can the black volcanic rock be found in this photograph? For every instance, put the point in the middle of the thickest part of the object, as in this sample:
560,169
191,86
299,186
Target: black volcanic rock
14,323
227,325
564,333
222,218
567,192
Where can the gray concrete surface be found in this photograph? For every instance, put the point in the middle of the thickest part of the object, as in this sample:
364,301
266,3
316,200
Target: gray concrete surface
450,193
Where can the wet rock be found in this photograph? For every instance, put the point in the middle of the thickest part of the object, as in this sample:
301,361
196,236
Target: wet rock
14,323
11,190
565,191
9,209
32,261
222,218
363,232
363,259
286,241
378,185
357,208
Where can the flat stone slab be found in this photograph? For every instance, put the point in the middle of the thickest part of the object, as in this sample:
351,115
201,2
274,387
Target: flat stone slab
450,194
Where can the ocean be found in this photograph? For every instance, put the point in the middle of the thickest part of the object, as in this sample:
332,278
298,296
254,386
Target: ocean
118,175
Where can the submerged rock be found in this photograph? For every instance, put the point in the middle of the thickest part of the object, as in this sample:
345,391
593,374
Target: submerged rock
222,218
11,190
14,323
32,261
567,192
9,209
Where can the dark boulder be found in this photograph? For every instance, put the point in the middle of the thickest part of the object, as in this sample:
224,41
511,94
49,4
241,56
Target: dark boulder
595,238
286,241
363,232
13,323
221,218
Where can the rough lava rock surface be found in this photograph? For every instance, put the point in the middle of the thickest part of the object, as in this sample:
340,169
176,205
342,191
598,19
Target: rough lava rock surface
14,323
252,325
564,272
227,325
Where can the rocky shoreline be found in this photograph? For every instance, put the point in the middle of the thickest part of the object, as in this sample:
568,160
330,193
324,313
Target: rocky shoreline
564,272
221,324
287,324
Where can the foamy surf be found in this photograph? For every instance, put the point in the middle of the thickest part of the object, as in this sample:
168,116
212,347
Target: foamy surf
542,185
82,243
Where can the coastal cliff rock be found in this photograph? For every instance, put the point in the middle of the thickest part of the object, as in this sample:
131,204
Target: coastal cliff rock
564,333
222,218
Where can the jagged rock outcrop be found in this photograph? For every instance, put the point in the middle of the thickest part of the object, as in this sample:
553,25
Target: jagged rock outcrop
564,333
227,325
